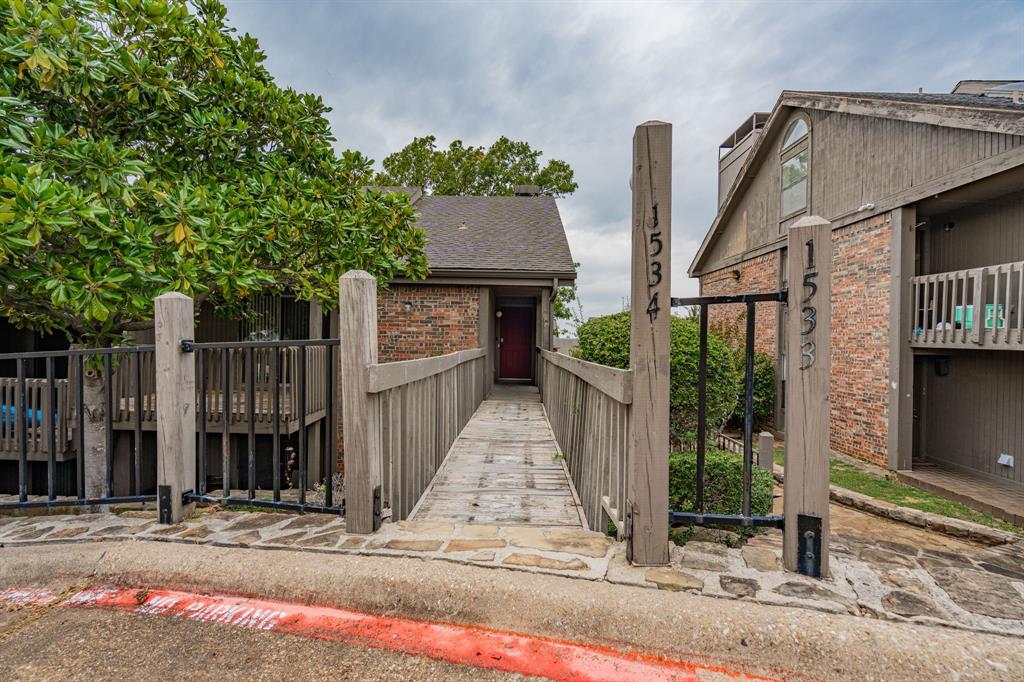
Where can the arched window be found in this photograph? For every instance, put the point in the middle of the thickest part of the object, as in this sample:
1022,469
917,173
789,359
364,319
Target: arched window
795,158
797,131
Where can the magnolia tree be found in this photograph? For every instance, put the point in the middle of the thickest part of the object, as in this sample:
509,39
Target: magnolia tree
144,148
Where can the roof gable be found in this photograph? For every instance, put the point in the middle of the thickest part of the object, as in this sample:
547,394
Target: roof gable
967,112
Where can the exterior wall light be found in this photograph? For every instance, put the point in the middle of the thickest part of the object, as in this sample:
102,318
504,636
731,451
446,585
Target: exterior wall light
407,305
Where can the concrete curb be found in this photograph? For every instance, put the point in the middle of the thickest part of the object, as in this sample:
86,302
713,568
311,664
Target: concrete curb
913,517
776,640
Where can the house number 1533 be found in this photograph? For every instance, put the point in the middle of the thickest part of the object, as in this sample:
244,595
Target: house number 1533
808,313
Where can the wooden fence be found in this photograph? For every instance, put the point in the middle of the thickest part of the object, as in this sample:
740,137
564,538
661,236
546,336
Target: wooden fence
424,404
588,406
400,418
980,307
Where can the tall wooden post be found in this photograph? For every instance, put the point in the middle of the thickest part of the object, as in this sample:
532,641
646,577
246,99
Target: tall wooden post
175,405
359,410
808,372
650,340
901,355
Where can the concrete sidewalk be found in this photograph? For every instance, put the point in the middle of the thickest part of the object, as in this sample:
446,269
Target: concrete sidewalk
772,640
880,569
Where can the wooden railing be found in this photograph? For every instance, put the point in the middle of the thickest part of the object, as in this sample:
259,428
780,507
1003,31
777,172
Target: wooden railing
424,404
588,406
38,412
976,308
127,396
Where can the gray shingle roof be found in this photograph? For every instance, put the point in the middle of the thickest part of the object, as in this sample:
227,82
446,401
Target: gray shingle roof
515,234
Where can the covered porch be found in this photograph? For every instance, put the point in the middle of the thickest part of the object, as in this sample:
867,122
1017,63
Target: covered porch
1004,500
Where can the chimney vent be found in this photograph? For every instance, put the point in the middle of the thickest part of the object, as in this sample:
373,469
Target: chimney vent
527,190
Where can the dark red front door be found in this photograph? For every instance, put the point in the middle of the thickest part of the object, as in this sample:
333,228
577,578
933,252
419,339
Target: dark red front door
516,343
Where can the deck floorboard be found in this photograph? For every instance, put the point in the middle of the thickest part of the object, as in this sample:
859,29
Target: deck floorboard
503,469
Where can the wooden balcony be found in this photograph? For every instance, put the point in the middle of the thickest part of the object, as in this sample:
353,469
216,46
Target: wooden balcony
236,379
978,308
133,390
39,410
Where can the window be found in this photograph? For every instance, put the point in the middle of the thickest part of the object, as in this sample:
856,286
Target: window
795,165
796,132
794,184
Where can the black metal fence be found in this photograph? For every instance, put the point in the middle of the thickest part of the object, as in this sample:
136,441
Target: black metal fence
279,396
48,457
745,517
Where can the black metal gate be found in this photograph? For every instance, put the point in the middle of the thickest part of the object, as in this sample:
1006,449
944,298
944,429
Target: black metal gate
43,420
272,393
745,518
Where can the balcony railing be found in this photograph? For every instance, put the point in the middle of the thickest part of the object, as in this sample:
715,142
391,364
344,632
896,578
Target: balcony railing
976,308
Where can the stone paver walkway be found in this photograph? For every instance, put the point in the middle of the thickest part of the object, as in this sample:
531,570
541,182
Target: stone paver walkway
503,469
956,583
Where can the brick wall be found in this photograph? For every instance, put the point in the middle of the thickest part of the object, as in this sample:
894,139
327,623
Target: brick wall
756,276
861,272
441,319
860,329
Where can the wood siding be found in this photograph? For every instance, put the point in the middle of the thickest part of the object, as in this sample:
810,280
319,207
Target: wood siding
986,234
861,159
854,160
975,412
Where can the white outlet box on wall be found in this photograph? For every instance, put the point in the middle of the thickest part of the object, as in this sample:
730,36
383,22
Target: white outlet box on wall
1005,459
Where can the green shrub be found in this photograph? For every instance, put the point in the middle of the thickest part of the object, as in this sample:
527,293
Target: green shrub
723,484
732,331
605,340
764,389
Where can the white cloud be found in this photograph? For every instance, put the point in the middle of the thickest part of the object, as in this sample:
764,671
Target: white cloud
574,80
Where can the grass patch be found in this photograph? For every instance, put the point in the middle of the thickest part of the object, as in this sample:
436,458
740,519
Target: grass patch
853,478
850,477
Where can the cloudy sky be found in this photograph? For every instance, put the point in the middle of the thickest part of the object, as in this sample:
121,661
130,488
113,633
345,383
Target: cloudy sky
574,79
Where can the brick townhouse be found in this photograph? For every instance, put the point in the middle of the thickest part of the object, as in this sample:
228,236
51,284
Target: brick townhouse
925,193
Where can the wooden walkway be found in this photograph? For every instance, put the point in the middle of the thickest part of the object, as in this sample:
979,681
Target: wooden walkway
504,469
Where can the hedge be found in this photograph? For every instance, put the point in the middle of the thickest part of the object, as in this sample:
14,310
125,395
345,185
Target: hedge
764,389
605,340
723,484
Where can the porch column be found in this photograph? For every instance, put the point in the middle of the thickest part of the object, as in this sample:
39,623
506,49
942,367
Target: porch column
901,356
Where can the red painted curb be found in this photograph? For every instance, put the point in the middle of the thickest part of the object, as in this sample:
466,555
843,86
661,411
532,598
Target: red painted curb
458,644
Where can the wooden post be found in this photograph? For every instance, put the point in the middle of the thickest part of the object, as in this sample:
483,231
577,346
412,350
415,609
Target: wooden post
650,337
766,450
175,405
900,441
805,543
359,410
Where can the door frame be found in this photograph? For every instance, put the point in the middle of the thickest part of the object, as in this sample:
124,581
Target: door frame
500,303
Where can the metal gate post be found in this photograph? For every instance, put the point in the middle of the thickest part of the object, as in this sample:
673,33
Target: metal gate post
650,340
808,373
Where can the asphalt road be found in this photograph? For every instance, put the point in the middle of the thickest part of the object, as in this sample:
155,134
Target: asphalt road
76,644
